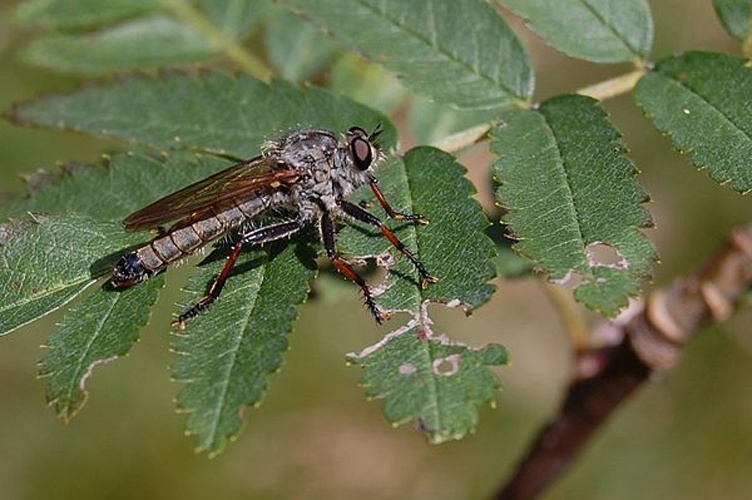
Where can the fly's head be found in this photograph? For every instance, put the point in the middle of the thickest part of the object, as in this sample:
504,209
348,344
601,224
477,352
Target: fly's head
362,148
361,154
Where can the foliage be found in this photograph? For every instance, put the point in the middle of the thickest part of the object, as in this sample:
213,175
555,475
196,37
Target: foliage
562,175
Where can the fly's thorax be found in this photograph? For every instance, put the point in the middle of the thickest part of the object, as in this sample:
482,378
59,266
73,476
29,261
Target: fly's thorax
303,148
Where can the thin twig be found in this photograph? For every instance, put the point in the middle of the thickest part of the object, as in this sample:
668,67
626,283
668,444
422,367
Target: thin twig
463,138
574,322
653,340
614,87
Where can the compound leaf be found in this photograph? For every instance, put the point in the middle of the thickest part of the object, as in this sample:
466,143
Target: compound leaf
212,112
594,30
700,100
102,327
431,381
460,53
260,302
226,355
735,16
569,189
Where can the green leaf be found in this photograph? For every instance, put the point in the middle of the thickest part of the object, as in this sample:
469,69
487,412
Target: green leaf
228,353
735,16
297,49
80,13
594,30
453,246
211,112
102,327
139,43
461,53
126,182
700,100
48,260
570,193
230,350
429,380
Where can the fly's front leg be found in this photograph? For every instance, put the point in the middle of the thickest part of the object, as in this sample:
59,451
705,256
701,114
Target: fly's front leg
363,215
258,236
374,183
344,267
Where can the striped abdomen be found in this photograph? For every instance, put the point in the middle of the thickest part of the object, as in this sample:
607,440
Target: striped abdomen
177,243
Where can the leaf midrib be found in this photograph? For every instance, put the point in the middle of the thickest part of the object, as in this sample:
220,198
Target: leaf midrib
232,364
717,111
78,379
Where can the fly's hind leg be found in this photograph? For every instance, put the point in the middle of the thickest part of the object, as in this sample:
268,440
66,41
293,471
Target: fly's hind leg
259,236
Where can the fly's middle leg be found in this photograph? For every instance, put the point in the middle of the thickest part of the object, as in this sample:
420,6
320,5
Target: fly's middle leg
258,236
391,212
344,267
363,215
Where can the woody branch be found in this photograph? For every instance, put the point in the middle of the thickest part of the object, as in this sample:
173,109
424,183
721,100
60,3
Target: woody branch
652,340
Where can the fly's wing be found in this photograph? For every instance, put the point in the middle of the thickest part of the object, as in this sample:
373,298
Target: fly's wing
241,181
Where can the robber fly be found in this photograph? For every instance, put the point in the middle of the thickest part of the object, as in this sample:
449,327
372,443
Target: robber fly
300,179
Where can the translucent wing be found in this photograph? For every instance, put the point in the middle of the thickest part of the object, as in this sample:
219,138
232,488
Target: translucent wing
239,182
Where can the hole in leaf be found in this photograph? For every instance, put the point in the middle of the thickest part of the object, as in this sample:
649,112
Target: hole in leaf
447,366
605,255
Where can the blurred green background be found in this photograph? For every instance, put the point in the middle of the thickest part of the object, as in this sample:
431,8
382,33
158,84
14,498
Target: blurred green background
686,436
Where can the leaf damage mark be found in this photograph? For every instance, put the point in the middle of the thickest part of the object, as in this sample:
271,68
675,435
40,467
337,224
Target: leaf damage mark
355,357
602,254
407,369
90,370
447,366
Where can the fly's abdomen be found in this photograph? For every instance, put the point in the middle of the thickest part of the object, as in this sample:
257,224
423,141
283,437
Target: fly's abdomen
150,259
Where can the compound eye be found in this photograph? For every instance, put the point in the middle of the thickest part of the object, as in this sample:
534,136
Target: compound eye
360,150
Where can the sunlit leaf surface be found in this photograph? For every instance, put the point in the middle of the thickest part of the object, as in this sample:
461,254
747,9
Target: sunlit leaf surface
571,199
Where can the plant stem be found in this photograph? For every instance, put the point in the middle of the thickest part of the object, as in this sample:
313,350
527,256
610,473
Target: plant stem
569,313
609,89
463,138
231,48
603,90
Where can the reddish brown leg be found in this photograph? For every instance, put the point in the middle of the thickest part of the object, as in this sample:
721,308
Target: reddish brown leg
327,238
373,182
257,237
364,215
